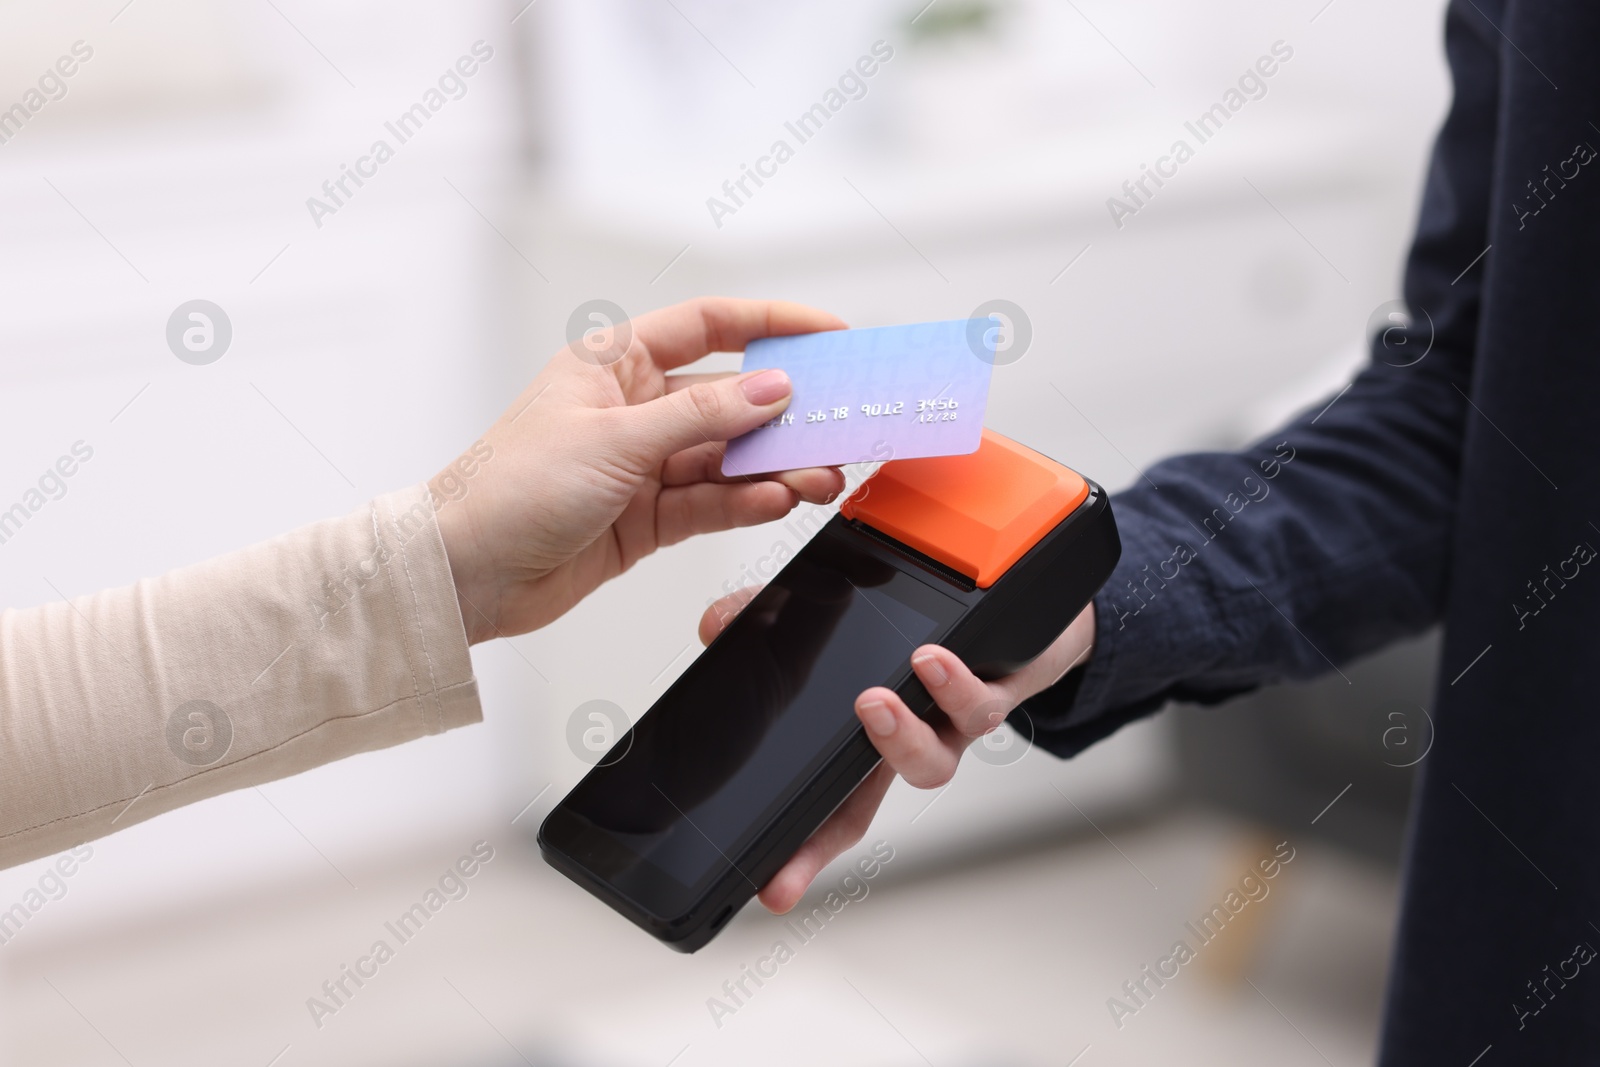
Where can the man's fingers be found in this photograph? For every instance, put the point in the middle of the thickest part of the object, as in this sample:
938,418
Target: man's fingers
924,755
680,334
909,745
971,704
846,826
722,612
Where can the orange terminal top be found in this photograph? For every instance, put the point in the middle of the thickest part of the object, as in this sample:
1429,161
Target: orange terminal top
977,514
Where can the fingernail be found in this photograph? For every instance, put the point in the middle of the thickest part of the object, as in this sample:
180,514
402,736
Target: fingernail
930,668
878,718
766,387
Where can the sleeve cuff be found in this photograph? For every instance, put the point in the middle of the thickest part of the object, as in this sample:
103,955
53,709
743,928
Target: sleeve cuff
432,636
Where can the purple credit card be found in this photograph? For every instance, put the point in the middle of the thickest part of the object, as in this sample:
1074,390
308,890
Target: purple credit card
890,392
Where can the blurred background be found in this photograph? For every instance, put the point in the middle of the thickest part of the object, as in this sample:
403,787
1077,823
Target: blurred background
372,342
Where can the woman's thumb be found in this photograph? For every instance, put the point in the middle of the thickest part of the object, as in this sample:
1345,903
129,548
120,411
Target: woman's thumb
708,411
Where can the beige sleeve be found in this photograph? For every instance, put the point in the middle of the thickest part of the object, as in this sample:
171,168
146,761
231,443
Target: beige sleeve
340,637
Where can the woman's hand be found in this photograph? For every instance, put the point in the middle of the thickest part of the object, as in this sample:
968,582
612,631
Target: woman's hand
594,465
923,754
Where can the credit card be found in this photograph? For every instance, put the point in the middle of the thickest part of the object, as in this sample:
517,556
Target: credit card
888,392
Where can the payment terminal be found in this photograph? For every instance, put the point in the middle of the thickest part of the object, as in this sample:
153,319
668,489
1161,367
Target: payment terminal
990,554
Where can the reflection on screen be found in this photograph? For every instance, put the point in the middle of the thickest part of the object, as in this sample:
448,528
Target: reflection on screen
736,733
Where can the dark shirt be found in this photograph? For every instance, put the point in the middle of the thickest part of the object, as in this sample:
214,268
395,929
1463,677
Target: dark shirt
1459,486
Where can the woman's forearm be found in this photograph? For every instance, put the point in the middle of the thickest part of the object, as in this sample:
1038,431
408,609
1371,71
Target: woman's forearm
340,637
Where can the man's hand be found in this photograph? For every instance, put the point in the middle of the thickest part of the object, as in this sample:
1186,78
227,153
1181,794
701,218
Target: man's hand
599,463
924,754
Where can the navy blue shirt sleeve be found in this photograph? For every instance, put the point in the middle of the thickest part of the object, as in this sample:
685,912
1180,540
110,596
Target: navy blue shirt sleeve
1331,537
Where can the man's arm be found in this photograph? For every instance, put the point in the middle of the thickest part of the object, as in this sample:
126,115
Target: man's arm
1332,536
